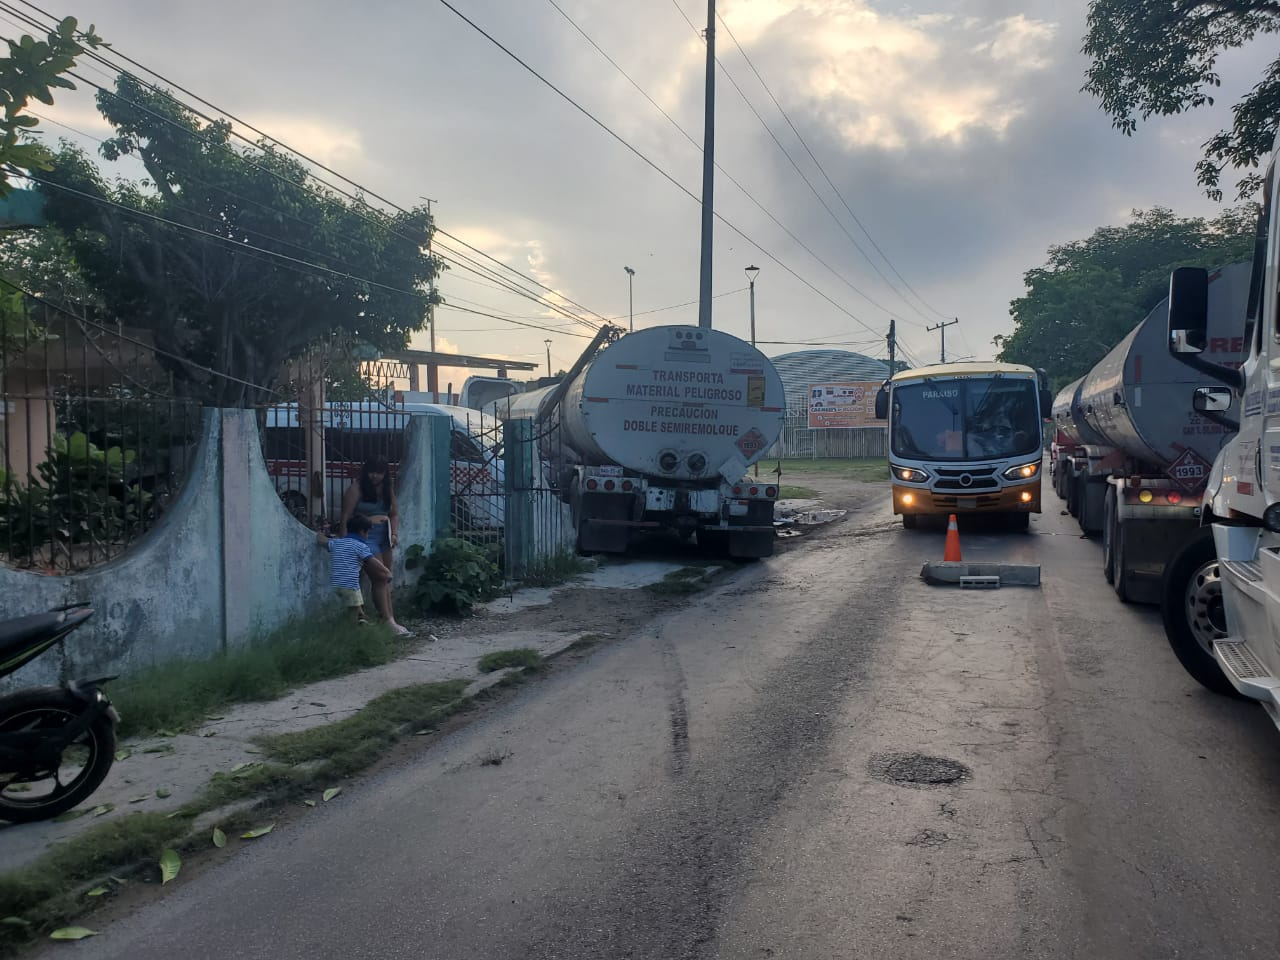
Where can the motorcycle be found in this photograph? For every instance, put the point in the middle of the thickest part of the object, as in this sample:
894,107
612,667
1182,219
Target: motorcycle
56,743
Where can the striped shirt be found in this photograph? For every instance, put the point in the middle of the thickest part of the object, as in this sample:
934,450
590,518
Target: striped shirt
346,555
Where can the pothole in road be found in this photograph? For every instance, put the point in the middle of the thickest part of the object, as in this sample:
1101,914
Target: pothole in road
917,769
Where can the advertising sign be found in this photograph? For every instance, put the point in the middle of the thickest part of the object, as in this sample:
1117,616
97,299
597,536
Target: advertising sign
840,406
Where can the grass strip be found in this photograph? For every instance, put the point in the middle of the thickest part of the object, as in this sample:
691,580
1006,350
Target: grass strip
797,493
179,696
865,469
49,890
502,659
377,725
552,572
683,581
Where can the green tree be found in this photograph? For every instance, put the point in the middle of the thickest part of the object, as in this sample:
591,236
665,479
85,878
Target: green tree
230,257
33,70
1159,57
1092,292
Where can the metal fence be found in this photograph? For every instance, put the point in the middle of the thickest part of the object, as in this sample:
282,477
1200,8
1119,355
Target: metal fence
95,441
799,441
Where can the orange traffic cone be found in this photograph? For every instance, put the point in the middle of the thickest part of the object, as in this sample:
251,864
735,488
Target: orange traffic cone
952,551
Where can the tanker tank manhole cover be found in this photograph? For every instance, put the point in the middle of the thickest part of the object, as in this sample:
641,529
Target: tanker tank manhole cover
917,770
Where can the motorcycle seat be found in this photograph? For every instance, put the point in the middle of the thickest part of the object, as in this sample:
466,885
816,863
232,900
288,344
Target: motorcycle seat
26,631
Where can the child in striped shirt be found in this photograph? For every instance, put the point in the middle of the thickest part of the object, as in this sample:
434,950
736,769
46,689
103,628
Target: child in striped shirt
348,556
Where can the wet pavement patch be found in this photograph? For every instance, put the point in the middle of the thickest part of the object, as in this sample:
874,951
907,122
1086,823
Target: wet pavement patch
917,770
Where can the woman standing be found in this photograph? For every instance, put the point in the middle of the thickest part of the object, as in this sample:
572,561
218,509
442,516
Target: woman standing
372,496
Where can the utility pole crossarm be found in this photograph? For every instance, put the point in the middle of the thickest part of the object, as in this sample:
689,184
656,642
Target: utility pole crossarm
942,326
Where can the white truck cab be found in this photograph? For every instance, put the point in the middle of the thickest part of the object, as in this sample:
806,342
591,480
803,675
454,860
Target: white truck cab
1222,595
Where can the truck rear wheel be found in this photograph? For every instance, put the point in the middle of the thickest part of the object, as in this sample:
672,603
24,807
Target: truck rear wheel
1193,612
1109,535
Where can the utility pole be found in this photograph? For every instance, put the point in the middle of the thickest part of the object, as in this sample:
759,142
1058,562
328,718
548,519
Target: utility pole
708,171
548,343
893,344
752,272
433,371
631,303
942,325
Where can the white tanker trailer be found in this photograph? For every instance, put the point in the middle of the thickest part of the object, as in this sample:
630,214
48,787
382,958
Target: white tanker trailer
1132,457
658,429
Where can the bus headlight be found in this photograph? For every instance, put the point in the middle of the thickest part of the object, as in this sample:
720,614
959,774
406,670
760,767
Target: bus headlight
1024,472
910,474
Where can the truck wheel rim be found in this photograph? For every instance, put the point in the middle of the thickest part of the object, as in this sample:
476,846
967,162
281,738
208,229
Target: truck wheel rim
1205,613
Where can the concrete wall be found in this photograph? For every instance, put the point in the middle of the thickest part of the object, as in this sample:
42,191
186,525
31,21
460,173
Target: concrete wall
223,567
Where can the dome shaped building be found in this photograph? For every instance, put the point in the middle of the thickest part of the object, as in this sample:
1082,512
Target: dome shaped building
800,372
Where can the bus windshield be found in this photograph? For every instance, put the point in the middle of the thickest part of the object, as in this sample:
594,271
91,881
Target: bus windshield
965,419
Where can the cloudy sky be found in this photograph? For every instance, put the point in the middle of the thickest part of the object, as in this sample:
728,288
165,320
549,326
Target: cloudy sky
954,130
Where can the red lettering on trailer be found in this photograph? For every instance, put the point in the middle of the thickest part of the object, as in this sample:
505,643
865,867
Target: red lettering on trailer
1218,344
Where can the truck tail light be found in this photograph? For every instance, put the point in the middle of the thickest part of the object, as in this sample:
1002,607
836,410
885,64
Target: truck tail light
627,485
608,485
737,491
1174,497
592,484
755,491
770,492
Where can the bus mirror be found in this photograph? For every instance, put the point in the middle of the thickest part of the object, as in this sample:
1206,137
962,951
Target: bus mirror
882,404
1046,404
1188,309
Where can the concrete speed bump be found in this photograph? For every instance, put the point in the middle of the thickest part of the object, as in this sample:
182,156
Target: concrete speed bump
960,573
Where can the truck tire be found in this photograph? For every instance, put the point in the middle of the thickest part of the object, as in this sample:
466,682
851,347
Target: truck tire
1109,535
1072,496
1118,579
1191,605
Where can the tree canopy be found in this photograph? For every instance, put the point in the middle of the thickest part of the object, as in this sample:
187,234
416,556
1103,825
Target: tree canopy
33,70
230,257
1092,292
1159,57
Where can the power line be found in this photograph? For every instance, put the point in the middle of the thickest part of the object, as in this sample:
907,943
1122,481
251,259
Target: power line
679,186
730,177
834,188
358,199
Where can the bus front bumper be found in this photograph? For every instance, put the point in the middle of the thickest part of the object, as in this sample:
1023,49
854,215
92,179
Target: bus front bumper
1020,498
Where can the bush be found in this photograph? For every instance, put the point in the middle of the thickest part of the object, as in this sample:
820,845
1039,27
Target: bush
455,576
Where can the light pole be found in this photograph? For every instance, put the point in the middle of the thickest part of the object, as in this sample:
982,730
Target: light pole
751,272
631,304
548,343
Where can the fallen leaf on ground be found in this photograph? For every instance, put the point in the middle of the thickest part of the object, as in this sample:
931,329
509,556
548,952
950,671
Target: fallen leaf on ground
170,864
330,794
102,809
257,832
72,933
97,891
219,838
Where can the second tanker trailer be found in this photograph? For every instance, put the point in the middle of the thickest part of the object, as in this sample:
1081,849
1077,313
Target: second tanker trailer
1132,457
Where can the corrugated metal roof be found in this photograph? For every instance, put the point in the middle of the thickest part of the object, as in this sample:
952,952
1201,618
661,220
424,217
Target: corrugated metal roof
804,367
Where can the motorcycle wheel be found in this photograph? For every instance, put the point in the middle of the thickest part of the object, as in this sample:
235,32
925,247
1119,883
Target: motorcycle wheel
28,795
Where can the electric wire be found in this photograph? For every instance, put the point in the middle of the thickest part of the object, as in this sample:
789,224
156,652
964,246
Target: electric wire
830,183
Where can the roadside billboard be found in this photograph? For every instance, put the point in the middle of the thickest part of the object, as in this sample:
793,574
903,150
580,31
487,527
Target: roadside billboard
843,405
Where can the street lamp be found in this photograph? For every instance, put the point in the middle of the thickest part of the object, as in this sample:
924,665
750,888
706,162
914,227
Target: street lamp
751,272
548,343
631,306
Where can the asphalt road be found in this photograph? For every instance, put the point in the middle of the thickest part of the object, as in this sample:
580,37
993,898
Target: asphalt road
742,781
